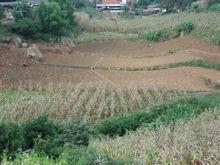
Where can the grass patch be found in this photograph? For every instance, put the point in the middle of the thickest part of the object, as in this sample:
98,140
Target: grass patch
156,36
197,63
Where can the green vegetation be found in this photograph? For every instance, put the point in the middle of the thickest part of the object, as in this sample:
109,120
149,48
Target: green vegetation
215,7
215,39
182,142
195,63
42,135
156,116
102,36
67,141
11,138
172,5
156,35
186,26
1,12
52,19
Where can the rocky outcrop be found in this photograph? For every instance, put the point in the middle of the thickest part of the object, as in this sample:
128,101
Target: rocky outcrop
67,42
34,53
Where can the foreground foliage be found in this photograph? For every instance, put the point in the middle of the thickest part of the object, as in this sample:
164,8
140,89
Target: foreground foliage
41,139
191,142
157,115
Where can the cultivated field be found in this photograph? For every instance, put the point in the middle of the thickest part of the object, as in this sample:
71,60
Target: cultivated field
115,98
116,64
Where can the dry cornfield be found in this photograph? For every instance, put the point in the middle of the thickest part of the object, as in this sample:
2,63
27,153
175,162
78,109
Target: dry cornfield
205,22
186,142
87,101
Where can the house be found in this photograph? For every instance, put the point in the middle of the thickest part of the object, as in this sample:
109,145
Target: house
152,9
8,3
111,5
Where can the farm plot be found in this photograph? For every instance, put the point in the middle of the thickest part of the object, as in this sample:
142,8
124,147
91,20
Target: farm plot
87,101
103,63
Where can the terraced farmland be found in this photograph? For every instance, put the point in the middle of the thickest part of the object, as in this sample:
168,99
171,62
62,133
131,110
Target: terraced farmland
87,101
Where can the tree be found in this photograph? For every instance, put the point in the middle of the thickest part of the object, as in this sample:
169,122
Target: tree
1,12
172,5
22,10
52,18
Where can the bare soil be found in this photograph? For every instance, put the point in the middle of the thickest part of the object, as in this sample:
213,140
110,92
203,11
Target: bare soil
17,69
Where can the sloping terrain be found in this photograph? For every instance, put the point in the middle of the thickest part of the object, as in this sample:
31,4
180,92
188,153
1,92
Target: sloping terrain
17,69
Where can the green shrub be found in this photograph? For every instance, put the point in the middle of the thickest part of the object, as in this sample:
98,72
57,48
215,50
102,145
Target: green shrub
156,35
26,27
30,158
119,125
22,10
11,138
213,2
40,127
54,18
74,154
215,7
163,114
186,26
1,12
74,132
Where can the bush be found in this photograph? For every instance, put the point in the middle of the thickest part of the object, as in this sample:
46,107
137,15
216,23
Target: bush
216,39
215,7
26,27
1,12
22,10
74,154
163,114
11,138
40,127
213,2
54,18
186,26
74,132
119,125
156,35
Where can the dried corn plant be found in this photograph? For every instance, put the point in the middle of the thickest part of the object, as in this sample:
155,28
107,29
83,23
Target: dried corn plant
191,142
85,100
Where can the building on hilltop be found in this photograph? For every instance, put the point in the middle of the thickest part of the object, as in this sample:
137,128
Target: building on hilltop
111,5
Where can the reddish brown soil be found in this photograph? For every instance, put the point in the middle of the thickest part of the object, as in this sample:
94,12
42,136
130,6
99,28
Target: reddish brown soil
16,69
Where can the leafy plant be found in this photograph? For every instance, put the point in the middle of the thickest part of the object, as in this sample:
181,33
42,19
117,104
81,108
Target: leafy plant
119,125
186,26
40,127
1,12
215,7
156,35
11,138
74,132
52,18
162,114
26,27
22,10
